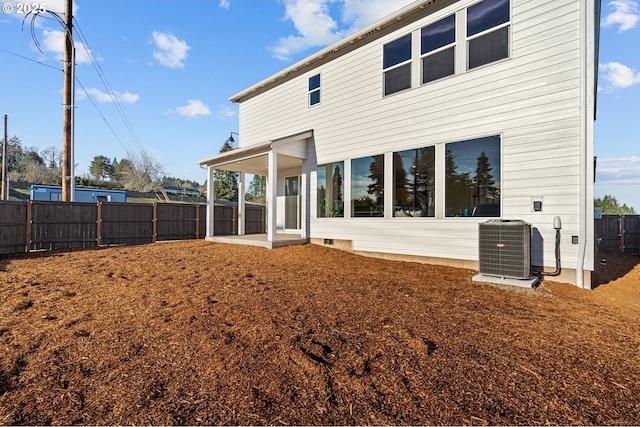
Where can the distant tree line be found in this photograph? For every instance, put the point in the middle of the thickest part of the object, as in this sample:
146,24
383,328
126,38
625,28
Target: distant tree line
610,206
139,172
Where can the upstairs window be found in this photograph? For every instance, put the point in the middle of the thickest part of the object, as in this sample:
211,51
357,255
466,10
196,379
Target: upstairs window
488,32
314,90
438,49
397,65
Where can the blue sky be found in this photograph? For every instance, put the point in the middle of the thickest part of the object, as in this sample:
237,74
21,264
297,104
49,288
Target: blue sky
172,65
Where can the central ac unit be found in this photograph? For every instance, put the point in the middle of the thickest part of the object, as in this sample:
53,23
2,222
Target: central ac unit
505,249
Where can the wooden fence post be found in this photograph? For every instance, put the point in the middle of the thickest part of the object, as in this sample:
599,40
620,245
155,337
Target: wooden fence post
197,208
99,225
155,222
622,230
234,221
28,227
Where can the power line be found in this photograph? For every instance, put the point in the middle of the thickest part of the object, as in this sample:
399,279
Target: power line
85,44
108,87
30,59
103,117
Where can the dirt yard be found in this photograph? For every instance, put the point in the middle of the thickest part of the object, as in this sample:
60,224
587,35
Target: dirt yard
201,333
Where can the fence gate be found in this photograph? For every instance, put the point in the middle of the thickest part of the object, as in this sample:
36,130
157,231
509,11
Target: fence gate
630,225
618,233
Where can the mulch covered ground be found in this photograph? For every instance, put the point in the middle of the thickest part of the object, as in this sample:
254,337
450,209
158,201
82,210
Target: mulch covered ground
202,333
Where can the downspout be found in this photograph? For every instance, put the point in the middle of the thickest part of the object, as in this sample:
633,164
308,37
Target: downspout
582,244
590,17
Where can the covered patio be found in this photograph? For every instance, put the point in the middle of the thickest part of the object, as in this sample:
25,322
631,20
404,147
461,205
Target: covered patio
283,162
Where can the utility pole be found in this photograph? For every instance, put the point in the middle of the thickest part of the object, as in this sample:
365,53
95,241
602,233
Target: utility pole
5,196
68,106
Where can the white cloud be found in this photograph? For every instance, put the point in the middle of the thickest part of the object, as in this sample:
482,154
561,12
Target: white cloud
625,15
102,97
619,75
194,108
53,42
360,13
224,4
226,112
317,26
170,51
632,159
314,24
619,175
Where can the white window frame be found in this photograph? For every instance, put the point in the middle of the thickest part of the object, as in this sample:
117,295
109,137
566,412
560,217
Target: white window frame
468,38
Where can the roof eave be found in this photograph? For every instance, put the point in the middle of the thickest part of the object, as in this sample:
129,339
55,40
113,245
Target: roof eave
360,38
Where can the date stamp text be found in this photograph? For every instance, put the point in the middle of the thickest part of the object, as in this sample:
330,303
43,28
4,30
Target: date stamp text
23,8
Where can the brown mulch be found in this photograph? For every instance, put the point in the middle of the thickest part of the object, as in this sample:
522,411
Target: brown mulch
201,333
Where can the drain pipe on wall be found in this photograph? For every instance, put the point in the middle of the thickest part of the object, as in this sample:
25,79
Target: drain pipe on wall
557,224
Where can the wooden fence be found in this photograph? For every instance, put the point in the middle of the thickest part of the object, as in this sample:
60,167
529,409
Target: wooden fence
618,233
36,225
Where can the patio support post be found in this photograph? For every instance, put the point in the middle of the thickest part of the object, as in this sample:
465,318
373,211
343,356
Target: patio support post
210,202
272,186
241,204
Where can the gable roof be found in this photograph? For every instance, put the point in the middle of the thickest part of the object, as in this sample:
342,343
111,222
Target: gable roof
399,19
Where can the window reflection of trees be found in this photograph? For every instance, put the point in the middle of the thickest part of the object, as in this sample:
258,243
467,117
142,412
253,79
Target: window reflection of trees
414,183
477,194
330,189
367,198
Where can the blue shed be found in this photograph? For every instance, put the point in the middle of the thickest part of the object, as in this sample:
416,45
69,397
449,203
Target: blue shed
54,194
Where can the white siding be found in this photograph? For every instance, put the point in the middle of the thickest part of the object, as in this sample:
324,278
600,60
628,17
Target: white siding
534,100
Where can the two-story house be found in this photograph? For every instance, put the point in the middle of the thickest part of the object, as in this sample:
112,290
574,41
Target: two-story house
399,140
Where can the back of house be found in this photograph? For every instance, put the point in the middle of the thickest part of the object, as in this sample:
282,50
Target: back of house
401,139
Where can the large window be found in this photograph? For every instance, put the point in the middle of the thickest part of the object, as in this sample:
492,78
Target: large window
472,171
367,186
314,90
414,183
438,49
330,190
488,32
397,65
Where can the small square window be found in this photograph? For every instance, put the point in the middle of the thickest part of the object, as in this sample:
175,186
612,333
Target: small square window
314,82
314,90
314,97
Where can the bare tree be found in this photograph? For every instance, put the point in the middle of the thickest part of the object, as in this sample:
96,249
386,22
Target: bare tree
142,173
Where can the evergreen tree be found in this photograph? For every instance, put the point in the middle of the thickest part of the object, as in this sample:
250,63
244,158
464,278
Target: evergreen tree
337,208
101,168
424,180
225,184
257,191
610,206
15,153
403,195
485,190
376,188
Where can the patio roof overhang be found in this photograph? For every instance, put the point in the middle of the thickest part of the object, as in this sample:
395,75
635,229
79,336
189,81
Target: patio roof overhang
254,158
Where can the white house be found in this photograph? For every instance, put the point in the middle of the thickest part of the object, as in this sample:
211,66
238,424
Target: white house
399,140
